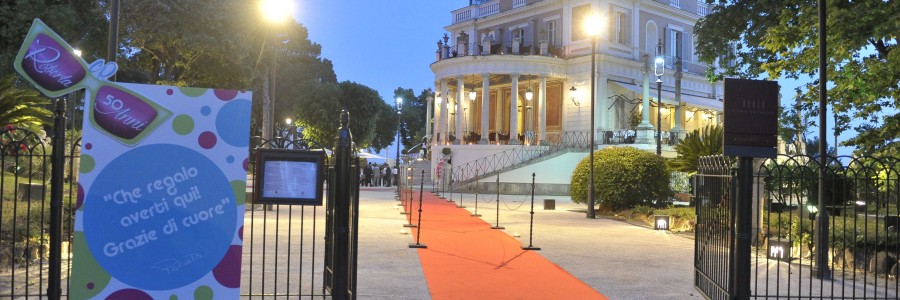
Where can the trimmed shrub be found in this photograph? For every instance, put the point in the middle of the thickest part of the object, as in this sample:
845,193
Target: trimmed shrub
624,177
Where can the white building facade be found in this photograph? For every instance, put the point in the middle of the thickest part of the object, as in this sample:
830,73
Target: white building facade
517,73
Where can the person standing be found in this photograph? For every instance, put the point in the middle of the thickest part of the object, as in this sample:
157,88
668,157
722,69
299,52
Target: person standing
379,172
367,171
396,175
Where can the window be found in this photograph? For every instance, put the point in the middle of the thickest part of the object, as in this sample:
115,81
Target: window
622,28
673,43
652,35
579,14
552,33
519,35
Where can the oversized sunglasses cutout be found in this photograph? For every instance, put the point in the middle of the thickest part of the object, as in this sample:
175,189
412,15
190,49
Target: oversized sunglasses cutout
51,65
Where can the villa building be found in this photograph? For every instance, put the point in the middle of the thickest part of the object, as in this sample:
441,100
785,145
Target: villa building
514,86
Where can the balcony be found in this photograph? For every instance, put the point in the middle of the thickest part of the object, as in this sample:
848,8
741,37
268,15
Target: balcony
485,48
478,9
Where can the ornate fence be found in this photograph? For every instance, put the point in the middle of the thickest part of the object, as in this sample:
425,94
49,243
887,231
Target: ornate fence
862,196
516,156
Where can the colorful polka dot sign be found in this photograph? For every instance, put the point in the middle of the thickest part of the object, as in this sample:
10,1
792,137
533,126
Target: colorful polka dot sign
161,218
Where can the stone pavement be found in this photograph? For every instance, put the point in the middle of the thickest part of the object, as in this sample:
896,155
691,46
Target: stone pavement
619,260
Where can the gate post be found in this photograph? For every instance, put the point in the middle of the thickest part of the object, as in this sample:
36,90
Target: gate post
743,218
54,290
343,153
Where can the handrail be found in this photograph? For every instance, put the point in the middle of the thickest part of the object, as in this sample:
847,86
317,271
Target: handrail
519,155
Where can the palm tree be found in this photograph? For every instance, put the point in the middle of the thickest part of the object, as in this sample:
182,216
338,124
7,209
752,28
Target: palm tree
22,107
697,143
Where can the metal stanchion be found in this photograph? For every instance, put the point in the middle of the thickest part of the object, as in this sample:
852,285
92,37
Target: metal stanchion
419,231
460,204
531,223
497,226
402,203
450,199
476,195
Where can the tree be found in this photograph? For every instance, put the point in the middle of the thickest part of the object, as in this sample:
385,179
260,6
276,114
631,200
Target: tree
413,115
22,107
78,22
365,107
697,143
779,39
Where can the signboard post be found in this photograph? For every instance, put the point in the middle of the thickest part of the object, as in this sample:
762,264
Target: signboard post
160,203
751,130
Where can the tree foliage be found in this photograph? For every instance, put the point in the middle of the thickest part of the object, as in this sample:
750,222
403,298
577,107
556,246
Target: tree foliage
624,177
780,39
22,107
80,23
700,142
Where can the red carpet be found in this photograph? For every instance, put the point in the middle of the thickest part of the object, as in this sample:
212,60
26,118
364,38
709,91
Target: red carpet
466,259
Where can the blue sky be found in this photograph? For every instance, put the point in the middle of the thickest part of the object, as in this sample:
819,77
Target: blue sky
381,44
389,44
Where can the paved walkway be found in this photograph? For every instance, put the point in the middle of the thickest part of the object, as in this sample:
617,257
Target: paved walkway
619,260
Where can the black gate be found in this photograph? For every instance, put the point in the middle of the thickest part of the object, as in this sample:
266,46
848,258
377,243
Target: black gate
862,196
288,252
713,243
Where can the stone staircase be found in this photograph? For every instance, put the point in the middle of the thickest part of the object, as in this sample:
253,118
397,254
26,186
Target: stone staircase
417,167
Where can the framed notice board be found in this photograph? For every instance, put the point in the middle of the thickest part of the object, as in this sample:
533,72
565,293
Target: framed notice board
289,177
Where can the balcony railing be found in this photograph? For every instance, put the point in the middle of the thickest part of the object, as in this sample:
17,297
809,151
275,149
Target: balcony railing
518,3
505,48
628,136
476,10
702,8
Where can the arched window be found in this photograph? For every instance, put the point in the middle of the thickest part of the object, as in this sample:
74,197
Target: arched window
652,38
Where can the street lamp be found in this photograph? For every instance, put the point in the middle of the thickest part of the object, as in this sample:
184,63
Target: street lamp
291,134
592,26
659,67
275,11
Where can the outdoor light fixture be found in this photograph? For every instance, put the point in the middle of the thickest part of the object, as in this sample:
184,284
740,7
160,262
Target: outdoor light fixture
403,231
659,67
77,52
812,209
592,25
573,96
529,94
661,222
472,95
779,249
277,10
516,234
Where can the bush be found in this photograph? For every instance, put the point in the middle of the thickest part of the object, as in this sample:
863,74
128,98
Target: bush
624,177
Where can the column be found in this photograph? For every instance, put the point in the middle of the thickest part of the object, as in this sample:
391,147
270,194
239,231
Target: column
445,94
679,112
498,115
485,106
604,120
460,94
645,129
513,111
428,116
542,112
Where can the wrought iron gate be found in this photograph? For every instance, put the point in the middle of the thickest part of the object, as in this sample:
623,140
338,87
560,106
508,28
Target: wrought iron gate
862,195
289,251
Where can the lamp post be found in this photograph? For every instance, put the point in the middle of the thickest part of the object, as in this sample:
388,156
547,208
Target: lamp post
592,28
276,11
659,67
397,162
291,134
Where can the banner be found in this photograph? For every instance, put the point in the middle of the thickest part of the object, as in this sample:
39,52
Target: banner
161,189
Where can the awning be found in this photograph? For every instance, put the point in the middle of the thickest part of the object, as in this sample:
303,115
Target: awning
669,97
